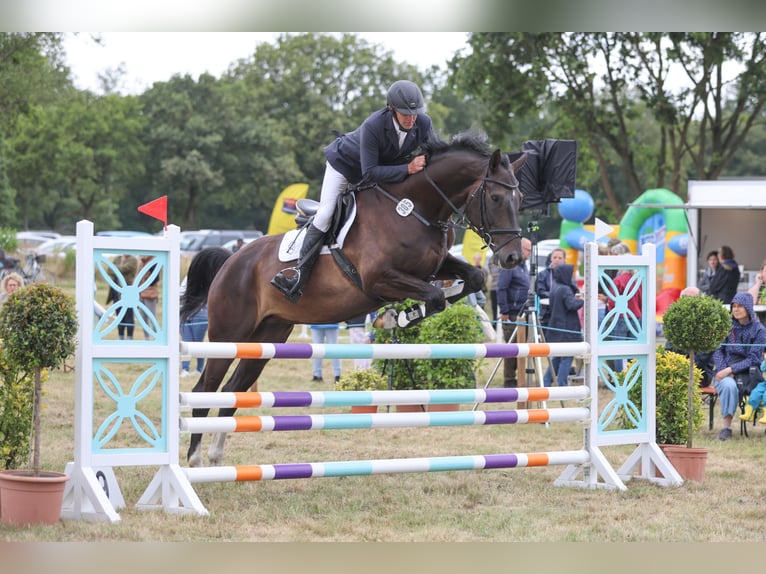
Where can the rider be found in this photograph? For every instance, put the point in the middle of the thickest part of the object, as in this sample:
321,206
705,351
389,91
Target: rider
379,151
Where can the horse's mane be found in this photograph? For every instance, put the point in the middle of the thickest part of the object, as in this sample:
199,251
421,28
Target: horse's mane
476,142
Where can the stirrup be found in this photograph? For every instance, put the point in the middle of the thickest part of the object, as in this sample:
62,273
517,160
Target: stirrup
411,316
287,284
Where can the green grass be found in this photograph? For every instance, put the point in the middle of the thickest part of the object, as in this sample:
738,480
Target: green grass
491,505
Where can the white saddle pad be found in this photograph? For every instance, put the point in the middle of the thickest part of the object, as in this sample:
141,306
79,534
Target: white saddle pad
290,246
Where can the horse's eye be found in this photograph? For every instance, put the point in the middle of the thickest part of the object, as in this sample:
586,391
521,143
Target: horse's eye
496,197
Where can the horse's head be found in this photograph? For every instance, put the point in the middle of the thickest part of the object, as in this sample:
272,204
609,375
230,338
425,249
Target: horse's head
492,208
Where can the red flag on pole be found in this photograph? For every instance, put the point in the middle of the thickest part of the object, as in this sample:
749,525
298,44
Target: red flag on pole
158,209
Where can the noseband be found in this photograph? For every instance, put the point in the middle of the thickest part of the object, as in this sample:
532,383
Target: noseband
484,229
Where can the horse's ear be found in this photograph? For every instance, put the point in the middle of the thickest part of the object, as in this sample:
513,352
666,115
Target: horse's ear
496,159
520,161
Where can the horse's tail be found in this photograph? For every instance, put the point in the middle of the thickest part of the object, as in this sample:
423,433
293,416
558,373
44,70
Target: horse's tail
202,270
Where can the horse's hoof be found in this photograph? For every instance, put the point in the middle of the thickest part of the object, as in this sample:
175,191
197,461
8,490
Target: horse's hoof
195,460
411,316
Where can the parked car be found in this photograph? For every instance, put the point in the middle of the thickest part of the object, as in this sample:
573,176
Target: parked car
230,244
57,247
193,241
124,233
30,240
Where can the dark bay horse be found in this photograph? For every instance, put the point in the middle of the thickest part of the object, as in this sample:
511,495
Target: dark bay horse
397,256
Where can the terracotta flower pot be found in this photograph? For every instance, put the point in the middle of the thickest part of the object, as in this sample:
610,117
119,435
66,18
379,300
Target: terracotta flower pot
443,408
356,409
689,462
28,499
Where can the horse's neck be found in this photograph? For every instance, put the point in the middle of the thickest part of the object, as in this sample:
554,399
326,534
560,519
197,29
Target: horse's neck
434,193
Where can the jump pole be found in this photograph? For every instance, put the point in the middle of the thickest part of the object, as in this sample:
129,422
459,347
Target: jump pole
93,493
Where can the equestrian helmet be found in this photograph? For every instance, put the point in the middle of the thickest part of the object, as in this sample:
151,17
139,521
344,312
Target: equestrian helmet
405,97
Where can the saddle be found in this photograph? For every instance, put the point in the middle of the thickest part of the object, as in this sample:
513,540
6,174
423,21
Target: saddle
345,211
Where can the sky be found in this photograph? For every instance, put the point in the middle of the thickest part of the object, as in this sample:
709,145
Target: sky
150,57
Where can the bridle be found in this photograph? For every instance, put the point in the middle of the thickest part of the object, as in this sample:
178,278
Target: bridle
484,229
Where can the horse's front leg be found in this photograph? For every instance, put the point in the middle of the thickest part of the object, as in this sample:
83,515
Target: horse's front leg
398,286
471,275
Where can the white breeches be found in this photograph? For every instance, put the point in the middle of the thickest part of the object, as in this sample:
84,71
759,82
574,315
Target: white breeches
333,185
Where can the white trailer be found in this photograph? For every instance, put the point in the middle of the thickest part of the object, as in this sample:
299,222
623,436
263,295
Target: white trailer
726,212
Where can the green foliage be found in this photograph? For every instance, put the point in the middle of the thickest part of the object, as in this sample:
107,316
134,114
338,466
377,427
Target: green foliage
38,326
672,405
16,400
8,240
698,324
362,380
456,324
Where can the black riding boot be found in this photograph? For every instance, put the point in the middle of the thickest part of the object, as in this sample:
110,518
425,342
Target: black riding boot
291,280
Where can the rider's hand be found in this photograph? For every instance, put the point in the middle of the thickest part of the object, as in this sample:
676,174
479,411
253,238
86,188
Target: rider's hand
416,165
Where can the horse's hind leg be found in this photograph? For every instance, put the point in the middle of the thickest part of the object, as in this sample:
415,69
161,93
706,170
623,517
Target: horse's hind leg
245,375
212,375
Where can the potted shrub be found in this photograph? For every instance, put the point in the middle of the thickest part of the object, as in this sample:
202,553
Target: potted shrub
671,400
694,324
16,397
362,380
38,326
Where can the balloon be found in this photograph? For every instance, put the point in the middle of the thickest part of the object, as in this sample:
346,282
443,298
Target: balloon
578,208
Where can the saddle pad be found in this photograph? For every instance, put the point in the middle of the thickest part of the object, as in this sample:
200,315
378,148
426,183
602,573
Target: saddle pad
290,246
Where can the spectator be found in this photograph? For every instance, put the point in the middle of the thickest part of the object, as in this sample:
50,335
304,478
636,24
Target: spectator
545,281
127,265
238,245
710,271
723,286
357,333
7,262
493,271
149,296
481,295
564,320
757,289
622,330
193,330
11,282
327,334
755,400
513,288
741,350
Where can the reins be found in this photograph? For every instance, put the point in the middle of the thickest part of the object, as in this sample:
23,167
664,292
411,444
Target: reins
484,230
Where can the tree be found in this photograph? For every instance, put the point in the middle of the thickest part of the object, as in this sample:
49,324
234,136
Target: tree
73,160
704,92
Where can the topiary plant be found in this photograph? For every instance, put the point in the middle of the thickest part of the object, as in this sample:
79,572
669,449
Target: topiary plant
38,326
695,324
671,398
16,397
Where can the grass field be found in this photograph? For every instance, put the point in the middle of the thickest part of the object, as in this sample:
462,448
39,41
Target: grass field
518,505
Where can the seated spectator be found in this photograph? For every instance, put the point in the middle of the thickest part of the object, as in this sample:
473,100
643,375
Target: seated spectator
11,283
741,350
758,289
755,400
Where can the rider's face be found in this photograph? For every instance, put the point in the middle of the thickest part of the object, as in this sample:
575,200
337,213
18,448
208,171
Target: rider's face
406,121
